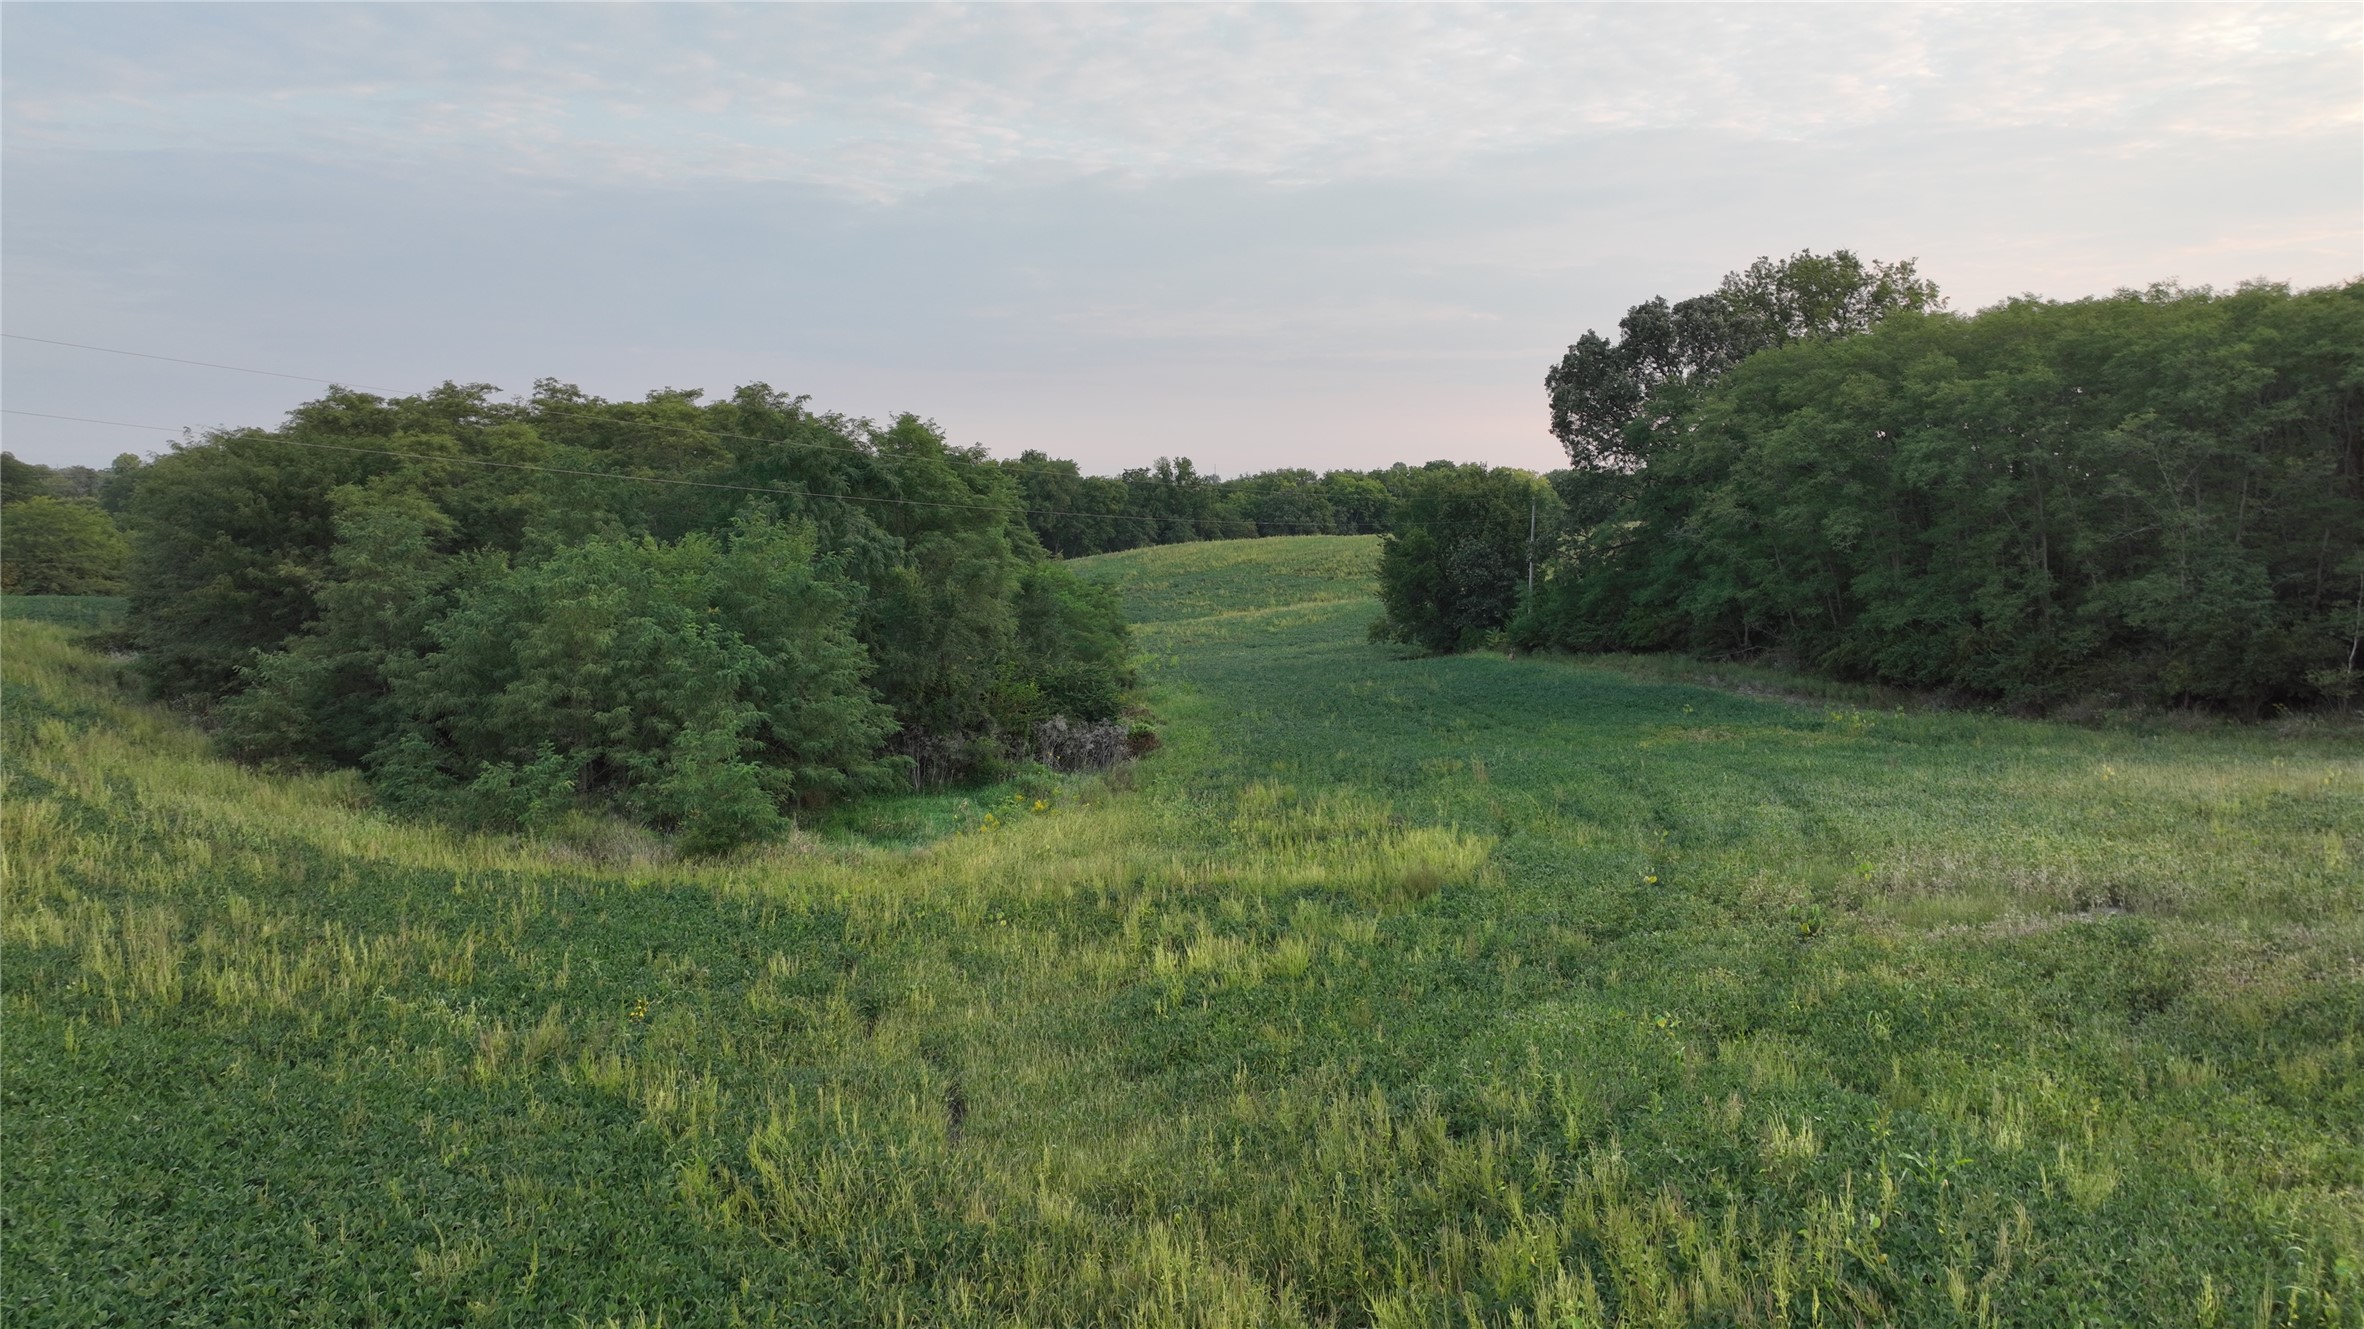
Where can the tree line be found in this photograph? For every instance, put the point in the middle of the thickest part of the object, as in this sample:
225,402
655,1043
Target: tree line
702,615
1170,501
2154,497
1071,514
60,531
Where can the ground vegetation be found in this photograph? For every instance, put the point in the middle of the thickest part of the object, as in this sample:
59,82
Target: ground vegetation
1393,990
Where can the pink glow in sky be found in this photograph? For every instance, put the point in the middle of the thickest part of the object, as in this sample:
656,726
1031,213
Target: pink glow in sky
1264,236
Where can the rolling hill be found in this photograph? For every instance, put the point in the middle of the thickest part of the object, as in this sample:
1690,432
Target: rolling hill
1392,991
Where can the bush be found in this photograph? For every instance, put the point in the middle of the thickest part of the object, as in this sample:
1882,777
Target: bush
700,686
54,546
318,586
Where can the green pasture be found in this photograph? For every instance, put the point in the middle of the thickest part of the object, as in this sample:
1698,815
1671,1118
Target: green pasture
1169,583
1391,991
70,611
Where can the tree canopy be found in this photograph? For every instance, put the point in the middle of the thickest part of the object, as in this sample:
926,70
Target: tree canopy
58,535
52,546
1451,571
1600,389
683,611
2156,496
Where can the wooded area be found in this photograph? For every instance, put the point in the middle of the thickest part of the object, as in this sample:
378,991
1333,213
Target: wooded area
2155,497
700,616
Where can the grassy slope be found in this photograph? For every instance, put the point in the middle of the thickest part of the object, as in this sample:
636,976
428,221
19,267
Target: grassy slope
1406,991
71,611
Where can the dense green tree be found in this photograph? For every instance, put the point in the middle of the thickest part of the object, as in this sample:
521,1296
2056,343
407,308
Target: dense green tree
2158,496
701,685
67,542
327,699
1284,502
1074,514
120,481
305,582
1181,503
1079,625
1453,567
23,479
232,536
51,546
1602,389
1358,503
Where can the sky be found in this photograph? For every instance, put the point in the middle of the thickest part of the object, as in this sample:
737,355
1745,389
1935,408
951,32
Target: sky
1259,236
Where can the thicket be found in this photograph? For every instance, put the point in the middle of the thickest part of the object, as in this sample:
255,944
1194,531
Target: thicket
2155,497
702,615
1454,568
58,534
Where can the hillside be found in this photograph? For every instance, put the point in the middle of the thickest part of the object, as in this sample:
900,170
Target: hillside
1391,991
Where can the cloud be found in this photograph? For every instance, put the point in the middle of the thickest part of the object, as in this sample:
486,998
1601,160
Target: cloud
1306,234
883,102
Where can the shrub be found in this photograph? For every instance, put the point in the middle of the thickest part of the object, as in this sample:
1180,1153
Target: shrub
52,546
325,587
700,686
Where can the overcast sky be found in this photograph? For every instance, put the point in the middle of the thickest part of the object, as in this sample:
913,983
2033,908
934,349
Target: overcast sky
1265,236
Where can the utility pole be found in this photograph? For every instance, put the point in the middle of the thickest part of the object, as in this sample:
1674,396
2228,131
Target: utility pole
1530,546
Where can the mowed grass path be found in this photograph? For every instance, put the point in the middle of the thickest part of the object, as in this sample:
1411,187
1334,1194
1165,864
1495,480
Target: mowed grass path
1393,991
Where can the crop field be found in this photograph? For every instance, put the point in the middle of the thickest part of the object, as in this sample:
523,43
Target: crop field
1391,991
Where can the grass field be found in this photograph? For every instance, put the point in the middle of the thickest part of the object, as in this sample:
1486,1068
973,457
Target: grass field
1461,991
71,611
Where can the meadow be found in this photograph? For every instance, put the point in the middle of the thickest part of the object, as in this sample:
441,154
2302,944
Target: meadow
1391,991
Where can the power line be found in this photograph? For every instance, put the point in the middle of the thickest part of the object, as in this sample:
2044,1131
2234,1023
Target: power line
84,419
948,456
174,359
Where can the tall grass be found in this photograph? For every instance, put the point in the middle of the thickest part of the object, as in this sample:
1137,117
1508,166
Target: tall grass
1393,992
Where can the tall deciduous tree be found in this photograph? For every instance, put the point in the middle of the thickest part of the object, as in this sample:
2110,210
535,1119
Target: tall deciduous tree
1452,568
1602,391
